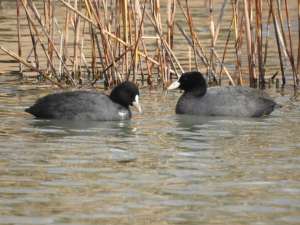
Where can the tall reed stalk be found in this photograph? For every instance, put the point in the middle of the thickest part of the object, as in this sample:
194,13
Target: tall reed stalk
19,34
277,41
118,47
298,59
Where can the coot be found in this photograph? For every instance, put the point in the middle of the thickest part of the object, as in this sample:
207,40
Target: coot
238,101
85,105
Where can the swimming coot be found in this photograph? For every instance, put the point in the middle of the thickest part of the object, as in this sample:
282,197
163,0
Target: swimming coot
85,105
235,101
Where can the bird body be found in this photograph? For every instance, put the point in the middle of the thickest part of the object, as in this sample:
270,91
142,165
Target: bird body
85,105
237,101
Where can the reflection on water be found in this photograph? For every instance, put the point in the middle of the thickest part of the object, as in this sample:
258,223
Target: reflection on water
60,128
158,168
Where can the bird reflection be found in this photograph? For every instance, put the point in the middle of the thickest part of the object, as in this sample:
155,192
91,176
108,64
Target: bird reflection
61,128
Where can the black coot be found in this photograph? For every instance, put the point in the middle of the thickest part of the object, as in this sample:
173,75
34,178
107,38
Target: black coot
85,105
235,101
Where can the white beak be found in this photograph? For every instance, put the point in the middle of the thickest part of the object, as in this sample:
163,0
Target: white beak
136,104
174,85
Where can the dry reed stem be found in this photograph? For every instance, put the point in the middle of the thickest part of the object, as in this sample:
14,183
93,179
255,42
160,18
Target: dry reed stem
283,30
129,21
64,56
267,38
155,10
101,59
60,51
166,46
182,9
219,22
123,11
226,45
39,38
138,31
149,79
116,60
164,51
253,42
191,44
176,60
277,40
76,39
19,34
31,67
34,43
93,35
51,25
234,7
212,34
106,45
258,35
191,25
249,40
239,48
52,44
168,40
142,34
47,26
226,71
290,57
295,77
80,46
298,59
106,32
201,55
52,5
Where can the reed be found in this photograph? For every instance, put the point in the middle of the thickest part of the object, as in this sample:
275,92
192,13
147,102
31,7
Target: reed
19,34
39,38
34,42
225,48
119,48
77,21
212,33
298,59
239,51
249,40
32,67
66,36
47,26
277,41
202,55
295,77
267,39
33,8
290,56
190,21
219,22
258,40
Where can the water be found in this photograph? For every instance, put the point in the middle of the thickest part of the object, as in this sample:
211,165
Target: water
158,168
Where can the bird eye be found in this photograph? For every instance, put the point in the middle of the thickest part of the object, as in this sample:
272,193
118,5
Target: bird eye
129,94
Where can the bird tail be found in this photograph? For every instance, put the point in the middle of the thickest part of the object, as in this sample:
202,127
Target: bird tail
277,106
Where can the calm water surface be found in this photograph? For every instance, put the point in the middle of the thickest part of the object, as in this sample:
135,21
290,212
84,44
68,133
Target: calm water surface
158,168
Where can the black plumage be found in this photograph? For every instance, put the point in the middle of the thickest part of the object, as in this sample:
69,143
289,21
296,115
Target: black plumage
237,101
85,105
